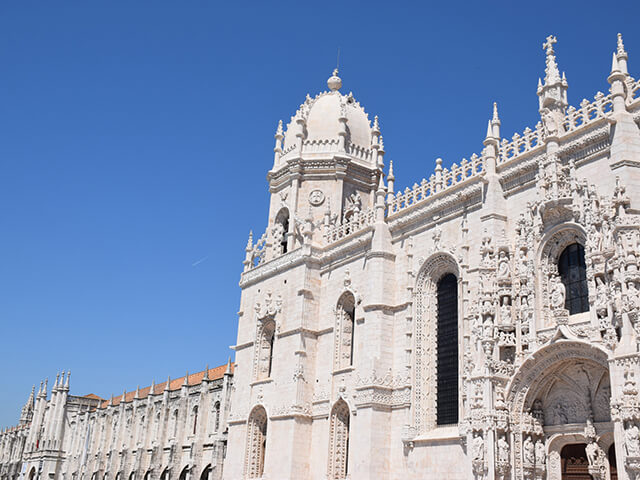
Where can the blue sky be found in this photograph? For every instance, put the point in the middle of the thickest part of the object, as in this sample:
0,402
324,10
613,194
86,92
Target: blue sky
135,138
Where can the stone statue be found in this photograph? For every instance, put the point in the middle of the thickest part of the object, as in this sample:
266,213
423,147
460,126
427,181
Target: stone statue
504,269
558,293
529,451
593,452
541,455
503,450
632,440
478,448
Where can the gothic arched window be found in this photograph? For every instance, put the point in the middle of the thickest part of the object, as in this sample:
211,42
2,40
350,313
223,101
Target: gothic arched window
573,273
265,349
282,219
345,330
256,443
195,419
447,351
216,424
339,441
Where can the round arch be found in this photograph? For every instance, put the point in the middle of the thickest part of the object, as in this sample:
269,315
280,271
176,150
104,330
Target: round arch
206,471
561,385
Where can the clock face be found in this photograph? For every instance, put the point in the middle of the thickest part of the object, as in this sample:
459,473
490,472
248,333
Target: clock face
316,197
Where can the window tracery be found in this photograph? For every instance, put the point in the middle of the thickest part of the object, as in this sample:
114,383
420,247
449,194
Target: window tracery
433,270
256,443
339,441
264,349
345,331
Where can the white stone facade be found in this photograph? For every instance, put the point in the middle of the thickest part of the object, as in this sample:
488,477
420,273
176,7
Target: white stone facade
176,429
346,346
482,324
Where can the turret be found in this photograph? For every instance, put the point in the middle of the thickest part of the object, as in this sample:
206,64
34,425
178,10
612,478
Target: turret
553,92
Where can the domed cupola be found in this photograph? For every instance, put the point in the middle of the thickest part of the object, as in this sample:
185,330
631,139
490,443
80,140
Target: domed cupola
328,163
330,123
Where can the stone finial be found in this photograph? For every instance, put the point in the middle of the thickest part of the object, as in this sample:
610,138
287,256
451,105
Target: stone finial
124,395
168,385
376,126
137,395
206,373
66,383
552,74
335,82
489,130
250,240
186,380
279,132
55,385
620,49
390,176
152,388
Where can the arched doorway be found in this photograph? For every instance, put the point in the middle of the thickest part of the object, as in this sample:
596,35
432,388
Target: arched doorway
205,473
574,463
562,396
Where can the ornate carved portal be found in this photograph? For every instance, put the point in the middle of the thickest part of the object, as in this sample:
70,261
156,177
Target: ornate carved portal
256,443
339,441
560,398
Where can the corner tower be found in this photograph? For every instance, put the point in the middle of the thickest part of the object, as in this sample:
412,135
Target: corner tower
327,163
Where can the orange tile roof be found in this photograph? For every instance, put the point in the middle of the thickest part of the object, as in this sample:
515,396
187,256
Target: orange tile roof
93,396
176,384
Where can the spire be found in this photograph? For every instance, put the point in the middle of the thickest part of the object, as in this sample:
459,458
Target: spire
137,395
44,390
55,385
40,389
495,122
66,383
186,380
615,67
621,56
124,395
206,373
489,131
152,389
167,386
228,370
32,400
335,82
552,75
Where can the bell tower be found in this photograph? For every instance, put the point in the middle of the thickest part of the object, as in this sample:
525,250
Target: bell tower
327,166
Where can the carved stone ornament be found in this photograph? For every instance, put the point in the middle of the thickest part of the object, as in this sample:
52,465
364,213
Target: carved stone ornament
269,306
316,198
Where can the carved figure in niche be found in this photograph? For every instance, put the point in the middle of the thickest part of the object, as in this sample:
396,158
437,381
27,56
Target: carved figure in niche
541,454
500,403
504,269
478,448
529,451
537,411
522,262
607,237
437,234
558,293
632,294
617,298
602,298
632,440
503,450
505,310
560,413
355,202
594,239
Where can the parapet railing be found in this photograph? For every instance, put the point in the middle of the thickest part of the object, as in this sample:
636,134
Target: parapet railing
356,222
443,179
